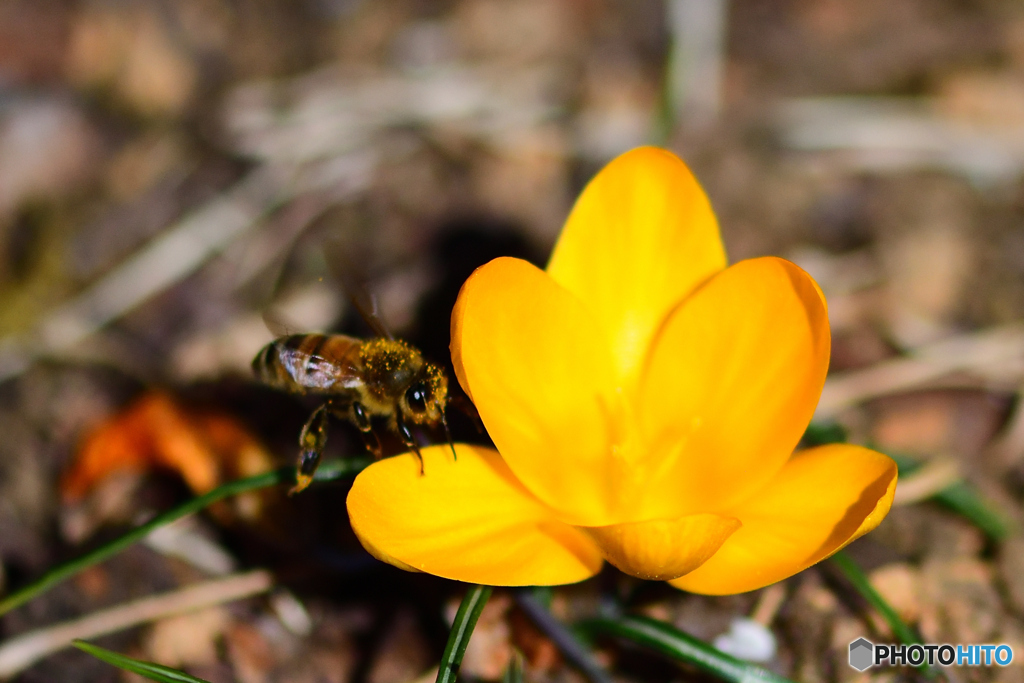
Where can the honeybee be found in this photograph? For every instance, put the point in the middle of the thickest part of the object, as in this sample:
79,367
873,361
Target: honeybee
360,379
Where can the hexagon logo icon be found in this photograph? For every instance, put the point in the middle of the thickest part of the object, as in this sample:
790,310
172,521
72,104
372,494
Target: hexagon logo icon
862,653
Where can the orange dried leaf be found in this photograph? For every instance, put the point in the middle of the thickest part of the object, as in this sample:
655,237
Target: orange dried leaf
155,431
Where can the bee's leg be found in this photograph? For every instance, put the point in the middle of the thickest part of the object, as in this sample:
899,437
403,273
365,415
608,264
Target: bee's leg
312,441
448,435
362,421
372,442
406,435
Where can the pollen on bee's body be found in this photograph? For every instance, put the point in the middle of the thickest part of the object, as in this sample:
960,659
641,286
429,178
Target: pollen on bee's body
389,363
389,352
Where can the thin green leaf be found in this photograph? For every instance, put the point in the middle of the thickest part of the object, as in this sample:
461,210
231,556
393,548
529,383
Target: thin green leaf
465,621
822,433
514,672
676,644
154,672
543,595
329,471
853,573
961,498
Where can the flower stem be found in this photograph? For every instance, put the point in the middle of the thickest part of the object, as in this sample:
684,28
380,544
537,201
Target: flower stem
465,621
286,475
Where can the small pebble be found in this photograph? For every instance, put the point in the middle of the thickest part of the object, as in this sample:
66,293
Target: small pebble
747,640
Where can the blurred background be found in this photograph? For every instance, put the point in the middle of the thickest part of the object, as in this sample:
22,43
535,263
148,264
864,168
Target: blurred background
171,171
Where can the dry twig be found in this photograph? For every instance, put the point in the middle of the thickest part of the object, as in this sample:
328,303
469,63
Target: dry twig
924,483
21,652
994,356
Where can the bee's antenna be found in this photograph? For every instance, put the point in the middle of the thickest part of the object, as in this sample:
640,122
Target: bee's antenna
448,434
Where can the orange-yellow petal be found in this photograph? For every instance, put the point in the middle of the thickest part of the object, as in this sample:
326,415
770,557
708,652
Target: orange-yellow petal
640,238
731,384
820,501
539,371
663,549
469,520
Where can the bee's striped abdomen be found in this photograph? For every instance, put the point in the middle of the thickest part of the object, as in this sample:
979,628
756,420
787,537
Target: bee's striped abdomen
308,362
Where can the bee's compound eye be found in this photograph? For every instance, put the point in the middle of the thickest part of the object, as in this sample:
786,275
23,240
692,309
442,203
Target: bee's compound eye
417,396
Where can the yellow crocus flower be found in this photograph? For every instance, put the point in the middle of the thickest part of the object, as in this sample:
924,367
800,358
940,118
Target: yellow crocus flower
646,401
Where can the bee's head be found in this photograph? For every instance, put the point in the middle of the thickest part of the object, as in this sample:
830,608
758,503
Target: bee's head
424,400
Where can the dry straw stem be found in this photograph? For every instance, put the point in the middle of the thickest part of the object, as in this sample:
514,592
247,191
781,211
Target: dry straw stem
181,249
924,483
768,604
21,652
902,134
994,356
1008,449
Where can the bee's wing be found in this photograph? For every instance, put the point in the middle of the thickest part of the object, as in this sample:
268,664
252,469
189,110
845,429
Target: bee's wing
346,273
366,304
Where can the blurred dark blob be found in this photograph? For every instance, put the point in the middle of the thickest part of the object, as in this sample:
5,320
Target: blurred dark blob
22,239
841,220
461,246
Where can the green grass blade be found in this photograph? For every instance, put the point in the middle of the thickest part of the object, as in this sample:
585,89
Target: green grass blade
465,621
514,672
965,501
329,471
681,646
823,433
853,573
154,672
